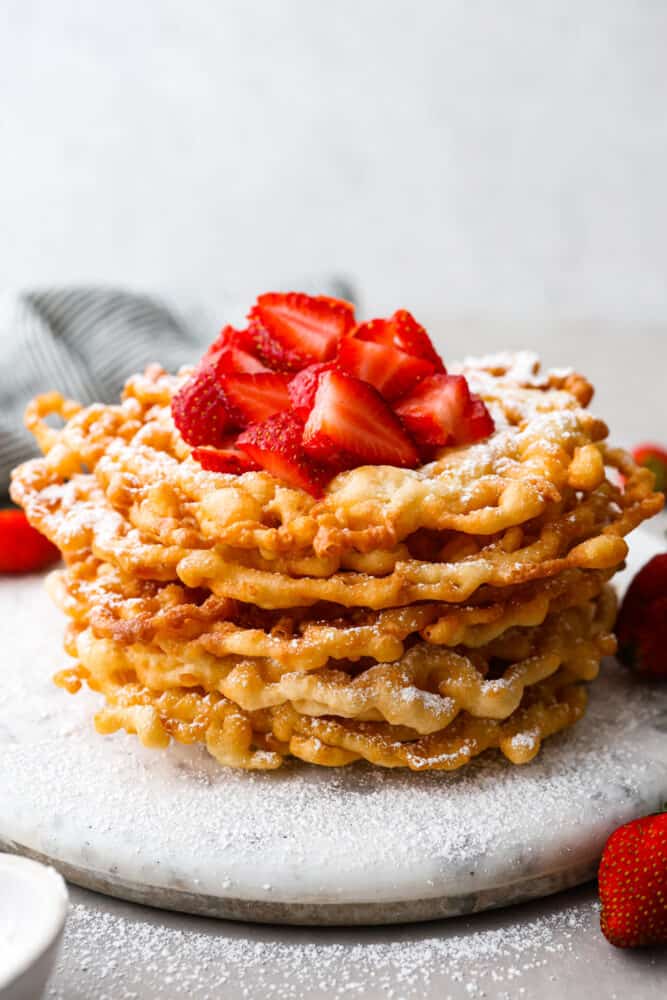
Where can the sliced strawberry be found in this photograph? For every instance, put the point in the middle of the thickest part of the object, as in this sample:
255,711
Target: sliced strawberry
434,409
440,410
350,420
377,331
477,423
233,351
306,327
338,303
391,371
231,460
226,339
303,387
403,332
200,409
23,549
273,354
411,337
256,397
237,360
276,445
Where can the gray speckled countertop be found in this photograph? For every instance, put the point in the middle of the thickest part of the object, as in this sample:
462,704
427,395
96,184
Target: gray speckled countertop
538,951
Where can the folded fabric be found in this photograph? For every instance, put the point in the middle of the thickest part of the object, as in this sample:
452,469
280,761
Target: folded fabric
84,342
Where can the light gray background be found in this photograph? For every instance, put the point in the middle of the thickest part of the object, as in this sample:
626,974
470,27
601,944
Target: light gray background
459,158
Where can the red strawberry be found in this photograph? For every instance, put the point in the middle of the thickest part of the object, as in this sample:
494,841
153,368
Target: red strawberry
338,303
200,409
230,460
276,445
256,397
351,423
391,371
632,881
233,351
273,354
654,458
23,549
304,385
305,327
641,626
440,410
477,423
228,337
403,332
434,409
411,337
237,360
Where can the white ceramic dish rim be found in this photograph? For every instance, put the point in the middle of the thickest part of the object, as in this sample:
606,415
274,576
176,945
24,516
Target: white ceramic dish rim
33,901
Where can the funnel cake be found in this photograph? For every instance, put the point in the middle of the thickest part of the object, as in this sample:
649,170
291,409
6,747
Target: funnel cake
409,615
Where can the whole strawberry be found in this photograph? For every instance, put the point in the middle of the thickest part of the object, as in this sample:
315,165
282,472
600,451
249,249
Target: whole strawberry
632,880
641,627
22,548
654,457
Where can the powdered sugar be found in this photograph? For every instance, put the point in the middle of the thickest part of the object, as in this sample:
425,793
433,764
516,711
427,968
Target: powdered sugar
114,957
522,367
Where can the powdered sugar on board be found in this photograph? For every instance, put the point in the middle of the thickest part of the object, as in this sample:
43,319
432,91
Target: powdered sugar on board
179,828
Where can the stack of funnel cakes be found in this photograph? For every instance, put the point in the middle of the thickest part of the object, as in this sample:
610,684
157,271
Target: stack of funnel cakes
248,568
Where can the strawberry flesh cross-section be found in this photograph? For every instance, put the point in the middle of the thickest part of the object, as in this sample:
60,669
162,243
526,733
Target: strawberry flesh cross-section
441,411
391,371
309,327
403,332
276,445
349,417
256,397
228,460
303,387
234,351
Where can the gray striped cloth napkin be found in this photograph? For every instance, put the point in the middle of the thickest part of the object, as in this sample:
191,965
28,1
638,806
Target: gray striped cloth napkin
85,342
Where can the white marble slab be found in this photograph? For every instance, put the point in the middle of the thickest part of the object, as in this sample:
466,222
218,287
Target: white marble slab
309,845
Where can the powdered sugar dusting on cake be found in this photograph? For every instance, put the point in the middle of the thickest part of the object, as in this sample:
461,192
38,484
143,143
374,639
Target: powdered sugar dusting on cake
522,367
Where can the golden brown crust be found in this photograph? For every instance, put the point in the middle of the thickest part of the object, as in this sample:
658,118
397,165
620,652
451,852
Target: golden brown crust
427,712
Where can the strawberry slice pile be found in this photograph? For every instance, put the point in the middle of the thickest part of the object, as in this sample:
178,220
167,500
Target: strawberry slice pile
305,392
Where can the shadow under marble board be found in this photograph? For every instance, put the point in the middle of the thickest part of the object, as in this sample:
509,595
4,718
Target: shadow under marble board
307,845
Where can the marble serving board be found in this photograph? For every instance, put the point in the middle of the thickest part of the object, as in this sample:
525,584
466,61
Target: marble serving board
308,845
